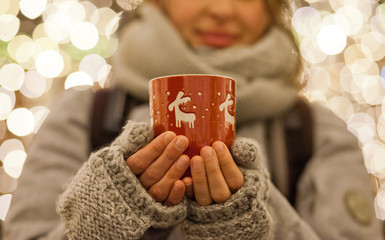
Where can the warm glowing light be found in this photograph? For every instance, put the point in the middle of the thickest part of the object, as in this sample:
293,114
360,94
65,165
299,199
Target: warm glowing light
7,102
38,32
353,53
25,54
9,146
319,80
49,63
15,43
331,39
34,85
40,113
311,52
21,122
372,90
9,26
32,8
342,43
373,45
84,36
341,106
46,43
5,202
77,79
316,96
67,64
375,163
365,6
362,126
13,7
106,21
354,19
129,5
4,6
13,163
89,9
379,204
11,76
306,21
61,17
95,66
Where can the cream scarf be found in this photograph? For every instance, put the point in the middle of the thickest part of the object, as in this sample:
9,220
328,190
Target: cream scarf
151,47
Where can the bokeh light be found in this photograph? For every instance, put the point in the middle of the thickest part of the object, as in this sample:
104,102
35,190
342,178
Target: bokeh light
32,8
7,102
84,36
21,122
68,44
5,201
10,145
49,63
78,79
9,26
95,66
331,45
34,85
11,77
13,163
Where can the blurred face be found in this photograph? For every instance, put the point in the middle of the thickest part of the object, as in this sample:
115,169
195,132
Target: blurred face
218,23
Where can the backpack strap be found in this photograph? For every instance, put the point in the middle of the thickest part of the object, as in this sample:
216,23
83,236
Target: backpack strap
299,143
109,112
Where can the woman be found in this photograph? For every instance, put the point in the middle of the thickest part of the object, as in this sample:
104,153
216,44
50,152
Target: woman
133,189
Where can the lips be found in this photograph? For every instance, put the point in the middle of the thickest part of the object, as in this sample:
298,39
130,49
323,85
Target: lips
217,39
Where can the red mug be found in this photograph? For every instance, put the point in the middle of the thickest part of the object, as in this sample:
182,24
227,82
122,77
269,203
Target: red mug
200,107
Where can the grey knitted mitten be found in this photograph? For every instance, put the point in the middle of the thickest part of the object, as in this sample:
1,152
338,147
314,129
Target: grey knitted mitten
105,200
244,216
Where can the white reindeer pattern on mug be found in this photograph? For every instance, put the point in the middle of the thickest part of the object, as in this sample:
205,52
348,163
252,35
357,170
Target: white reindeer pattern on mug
229,119
190,118
179,115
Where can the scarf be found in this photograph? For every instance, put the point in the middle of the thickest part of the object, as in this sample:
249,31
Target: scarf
151,46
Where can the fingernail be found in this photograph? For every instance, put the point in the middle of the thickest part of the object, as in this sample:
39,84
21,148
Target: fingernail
182,163
207,152
169,137
197,164
181,143
218,147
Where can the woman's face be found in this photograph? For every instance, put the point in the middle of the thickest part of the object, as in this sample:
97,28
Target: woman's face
218,23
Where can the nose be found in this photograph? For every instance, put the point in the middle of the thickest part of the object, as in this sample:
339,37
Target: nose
221,9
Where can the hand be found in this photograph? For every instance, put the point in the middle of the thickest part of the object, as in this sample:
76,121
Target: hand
160,165
215,176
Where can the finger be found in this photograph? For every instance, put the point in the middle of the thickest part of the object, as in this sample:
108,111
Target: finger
189,186
231,172
139,161
176,194
219,190
160,190
160,166
200,185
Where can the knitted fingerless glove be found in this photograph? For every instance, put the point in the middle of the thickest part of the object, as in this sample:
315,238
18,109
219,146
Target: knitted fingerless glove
105,200
243,216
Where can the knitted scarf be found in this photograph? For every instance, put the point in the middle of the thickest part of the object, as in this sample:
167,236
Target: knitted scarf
150,47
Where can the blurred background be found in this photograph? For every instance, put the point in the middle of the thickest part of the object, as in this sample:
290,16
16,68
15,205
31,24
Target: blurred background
48,46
